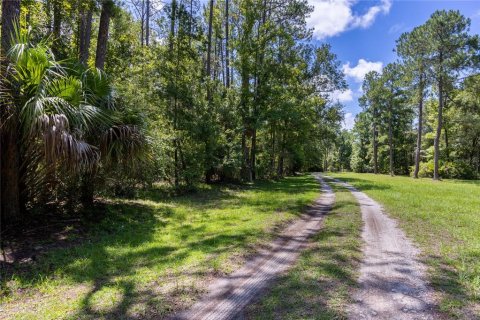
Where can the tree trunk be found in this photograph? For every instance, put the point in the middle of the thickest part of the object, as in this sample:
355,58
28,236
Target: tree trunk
420,129
57,20
281,157
272,159
87,190
253,155
447,148
245,91
173,100
209,41
375,147
142,24
227,54
390,134
172,25
190,24
85,33
436,144
478,160
9,138
147,24
107,8
48,11
390,145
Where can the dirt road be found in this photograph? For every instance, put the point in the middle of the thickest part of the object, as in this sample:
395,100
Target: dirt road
227,297
392,280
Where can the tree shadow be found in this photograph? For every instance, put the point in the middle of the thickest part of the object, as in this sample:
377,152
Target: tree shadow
123,240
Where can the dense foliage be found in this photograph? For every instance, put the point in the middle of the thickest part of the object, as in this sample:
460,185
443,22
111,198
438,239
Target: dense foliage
109,96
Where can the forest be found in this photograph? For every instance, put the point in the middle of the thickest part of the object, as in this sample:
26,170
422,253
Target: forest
108,106
107,97
99,101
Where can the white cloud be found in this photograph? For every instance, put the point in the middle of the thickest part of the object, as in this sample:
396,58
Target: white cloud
348,121
342,96
332,17
361,69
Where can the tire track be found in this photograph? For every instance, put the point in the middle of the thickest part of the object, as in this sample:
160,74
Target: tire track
228,296
392,279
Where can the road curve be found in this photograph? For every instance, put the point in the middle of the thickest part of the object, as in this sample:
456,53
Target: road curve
227,297
392,279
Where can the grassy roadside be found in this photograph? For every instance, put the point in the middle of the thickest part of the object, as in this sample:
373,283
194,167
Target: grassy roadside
444,220
320,283
153,255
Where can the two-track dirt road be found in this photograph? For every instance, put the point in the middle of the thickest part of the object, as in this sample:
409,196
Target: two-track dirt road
392,280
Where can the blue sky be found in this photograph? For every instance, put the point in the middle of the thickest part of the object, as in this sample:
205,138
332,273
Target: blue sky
363,34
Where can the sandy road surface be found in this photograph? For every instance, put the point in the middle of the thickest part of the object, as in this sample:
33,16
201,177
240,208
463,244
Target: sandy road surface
392,280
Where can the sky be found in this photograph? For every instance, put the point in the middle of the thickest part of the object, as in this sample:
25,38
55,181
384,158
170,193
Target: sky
363,33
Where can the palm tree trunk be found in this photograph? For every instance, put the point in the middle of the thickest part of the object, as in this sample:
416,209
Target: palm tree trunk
9,138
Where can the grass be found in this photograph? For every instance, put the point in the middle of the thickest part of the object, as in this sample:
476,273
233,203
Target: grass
443,218
319,286
153,255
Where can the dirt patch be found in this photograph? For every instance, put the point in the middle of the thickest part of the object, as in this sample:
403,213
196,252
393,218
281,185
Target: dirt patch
392,279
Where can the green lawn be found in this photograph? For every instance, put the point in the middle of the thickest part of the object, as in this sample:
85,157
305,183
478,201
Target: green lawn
319,285
155,254
443,218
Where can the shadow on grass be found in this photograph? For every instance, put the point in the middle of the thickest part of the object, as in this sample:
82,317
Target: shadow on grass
446,279
124,241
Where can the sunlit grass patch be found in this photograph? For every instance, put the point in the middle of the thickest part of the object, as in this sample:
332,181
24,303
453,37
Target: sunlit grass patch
152,255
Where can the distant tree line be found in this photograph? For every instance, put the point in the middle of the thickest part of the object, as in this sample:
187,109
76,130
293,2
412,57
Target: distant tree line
421,114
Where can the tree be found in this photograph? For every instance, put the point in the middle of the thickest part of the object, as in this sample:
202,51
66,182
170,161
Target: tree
413,49
85,32
106,14
392,103
371,102
227,52
451,50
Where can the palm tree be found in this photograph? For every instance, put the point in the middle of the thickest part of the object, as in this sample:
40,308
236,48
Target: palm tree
67,119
